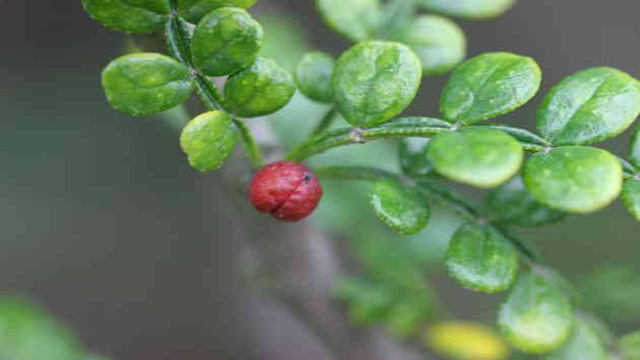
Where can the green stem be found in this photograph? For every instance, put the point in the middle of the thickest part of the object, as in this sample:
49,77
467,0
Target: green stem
178,43
326,122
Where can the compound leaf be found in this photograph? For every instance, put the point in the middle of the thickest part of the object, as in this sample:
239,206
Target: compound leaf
358,20
590,106
146,83
405,210
574,179
375,81
489,85
439,42
261,89
512,203
313,76
194,10
536,317
631,197
481,157
584,343
481,259
209,140
225,41
469,9
130,16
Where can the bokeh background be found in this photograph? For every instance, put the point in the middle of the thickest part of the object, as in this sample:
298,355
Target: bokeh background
104,223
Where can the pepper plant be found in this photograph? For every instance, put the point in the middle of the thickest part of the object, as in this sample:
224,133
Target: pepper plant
535,179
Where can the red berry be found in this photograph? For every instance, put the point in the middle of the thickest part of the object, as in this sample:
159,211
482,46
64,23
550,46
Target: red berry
287,190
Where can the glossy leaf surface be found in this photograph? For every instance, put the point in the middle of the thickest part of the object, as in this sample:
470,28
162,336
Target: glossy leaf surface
375,81
489,85
585,343
470,9
130,16
481,259
631,197
225,41
413,157
313,76
403,209
439,42
194,10
209,140
512,203
574,179
481,157
634,153
536,317
261,89
358,20
28,333
590,106
146,83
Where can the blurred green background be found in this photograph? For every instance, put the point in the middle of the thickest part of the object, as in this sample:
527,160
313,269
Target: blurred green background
105,224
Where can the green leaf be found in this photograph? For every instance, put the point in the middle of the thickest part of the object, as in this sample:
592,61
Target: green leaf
209,140
631,196
408,318
313,76
536,317
130,16
574,179
413,157
28,333
481,157
634,154
590,106
481,259
489,85
194,10
469,9
261,89
629,346
439,42
227,40
375,81
513,204
358,20
146,83
584,343
402,208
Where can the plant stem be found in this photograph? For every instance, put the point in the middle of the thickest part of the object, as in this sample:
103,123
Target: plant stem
326,122
178,43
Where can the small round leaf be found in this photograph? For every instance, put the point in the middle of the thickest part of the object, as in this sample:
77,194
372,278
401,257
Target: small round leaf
481,259
631,197
130,16
469,9
585,343
261,89
590,106
629,346
375,81
194,10
358,20
225,41
489,85
634,154
146,83
313,76
574,179
536,317
481,157
439,42
413,157
405,210
28,333
513,204
209,140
